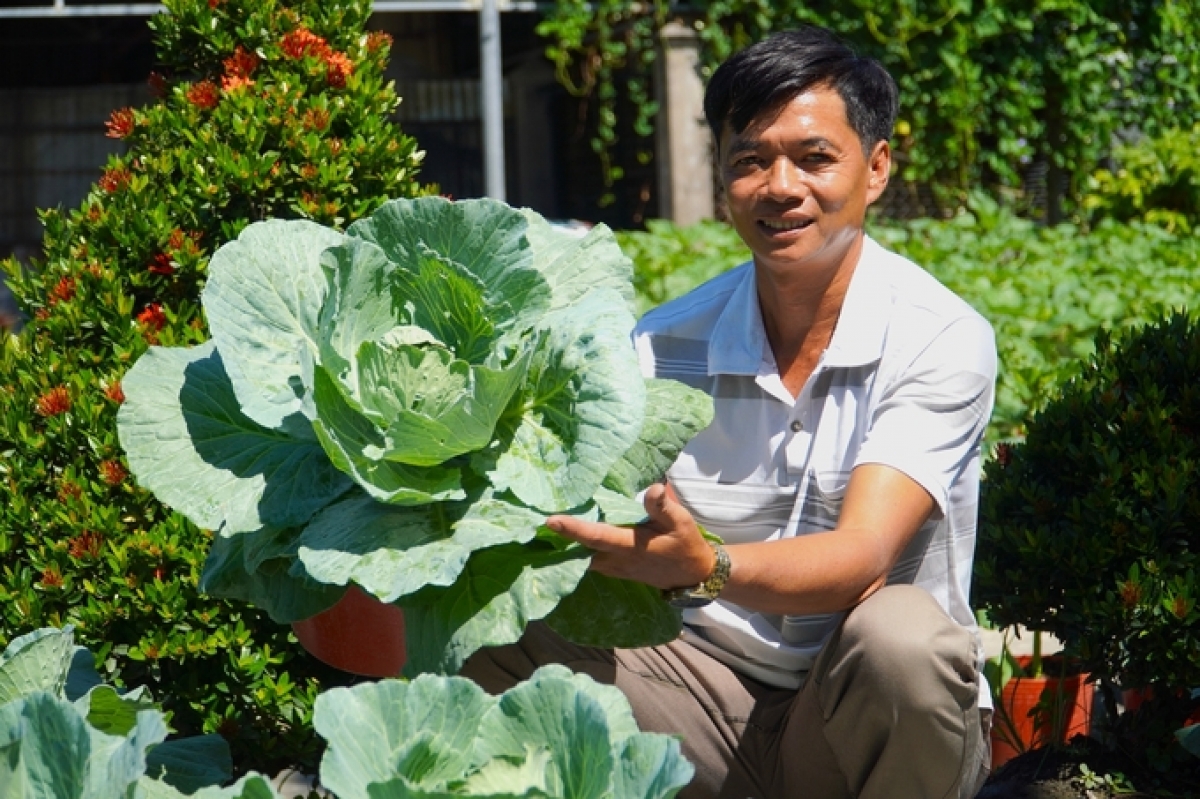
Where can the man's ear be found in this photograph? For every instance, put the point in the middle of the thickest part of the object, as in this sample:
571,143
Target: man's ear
879,168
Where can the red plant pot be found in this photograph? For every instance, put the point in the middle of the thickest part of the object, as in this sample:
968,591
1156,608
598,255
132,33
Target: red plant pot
1035,711
359,634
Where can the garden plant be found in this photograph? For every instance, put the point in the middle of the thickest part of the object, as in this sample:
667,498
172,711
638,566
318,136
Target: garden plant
401,406
67,735
262,109
1088,530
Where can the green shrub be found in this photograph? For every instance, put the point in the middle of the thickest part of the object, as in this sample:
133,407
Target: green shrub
1157,180
268,108
1090,528
1046,290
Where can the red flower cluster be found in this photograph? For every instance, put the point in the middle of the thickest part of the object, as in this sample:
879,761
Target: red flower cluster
113,472
204,94
303,42
162,265
115,179
377,40
68,491
63,291
153,317
54,402
1131,594
119,124
241,63
86,545
114,392
339,67
315,119
51,577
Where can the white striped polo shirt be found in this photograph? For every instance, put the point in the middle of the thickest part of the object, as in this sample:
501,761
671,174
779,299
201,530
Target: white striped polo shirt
907,381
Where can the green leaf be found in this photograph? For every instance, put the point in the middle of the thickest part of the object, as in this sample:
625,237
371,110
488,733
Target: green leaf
651,767
251,786
189,764
351,441
188,441
499,592
675,413
274,584
606,612
262,298
573,266
580,409
395,551
422,730
110,712
1189,738
36,661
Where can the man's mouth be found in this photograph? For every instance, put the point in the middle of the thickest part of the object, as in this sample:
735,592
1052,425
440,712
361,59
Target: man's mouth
782,225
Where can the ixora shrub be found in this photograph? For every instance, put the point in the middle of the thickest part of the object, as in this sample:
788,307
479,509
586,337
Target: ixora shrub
1157,180
558,734
401,406
266,108
1090,529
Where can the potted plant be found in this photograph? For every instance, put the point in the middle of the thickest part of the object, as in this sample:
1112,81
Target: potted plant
1090,528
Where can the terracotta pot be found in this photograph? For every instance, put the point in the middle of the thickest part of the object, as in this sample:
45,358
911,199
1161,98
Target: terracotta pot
359,634
1035,711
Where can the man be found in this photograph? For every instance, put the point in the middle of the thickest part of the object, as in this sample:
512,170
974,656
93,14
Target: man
851,391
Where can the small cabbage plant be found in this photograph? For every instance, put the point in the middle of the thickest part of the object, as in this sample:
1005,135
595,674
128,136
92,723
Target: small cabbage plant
401,406
557,734
66,735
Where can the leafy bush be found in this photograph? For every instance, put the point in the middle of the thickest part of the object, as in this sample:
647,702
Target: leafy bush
1046,290
266,109
400,407
1157,180
1090,528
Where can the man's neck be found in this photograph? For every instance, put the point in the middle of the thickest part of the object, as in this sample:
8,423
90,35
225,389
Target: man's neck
800,310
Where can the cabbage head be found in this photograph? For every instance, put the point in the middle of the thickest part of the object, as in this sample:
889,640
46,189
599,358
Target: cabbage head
401,406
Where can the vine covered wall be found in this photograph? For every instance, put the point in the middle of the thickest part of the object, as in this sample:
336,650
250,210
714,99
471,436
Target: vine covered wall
992,93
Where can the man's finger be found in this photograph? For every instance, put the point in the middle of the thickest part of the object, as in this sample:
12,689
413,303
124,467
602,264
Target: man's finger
593,535
664,508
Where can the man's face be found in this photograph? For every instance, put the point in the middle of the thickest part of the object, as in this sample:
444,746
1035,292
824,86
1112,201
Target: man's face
798,184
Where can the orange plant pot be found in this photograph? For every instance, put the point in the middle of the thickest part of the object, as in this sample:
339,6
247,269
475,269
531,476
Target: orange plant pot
1035,711
359,634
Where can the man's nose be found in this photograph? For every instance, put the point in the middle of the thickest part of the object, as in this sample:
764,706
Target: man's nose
785,180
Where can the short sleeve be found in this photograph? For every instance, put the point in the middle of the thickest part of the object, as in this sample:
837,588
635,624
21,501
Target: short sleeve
933,411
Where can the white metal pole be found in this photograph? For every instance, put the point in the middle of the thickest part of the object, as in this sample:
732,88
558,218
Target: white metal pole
492,99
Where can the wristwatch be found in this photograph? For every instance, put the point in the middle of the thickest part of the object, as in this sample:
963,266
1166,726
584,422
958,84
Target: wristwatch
699,595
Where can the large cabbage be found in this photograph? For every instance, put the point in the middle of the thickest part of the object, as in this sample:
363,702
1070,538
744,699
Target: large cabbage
401,406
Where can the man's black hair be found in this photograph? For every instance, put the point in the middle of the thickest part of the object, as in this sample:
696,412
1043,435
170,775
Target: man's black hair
768,74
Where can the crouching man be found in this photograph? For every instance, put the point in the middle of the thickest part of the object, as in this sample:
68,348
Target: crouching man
828,648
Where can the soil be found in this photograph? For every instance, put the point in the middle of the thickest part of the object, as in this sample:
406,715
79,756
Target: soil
1056,773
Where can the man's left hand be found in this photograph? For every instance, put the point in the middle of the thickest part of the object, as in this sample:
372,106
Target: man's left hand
665,551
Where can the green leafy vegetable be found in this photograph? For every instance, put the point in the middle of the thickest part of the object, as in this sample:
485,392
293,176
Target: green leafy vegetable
556,735
401,406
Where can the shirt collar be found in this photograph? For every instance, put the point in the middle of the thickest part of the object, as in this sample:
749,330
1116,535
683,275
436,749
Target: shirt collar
738,345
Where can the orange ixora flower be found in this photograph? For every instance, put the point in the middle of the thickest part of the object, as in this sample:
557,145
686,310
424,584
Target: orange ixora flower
152,317
114,392
231,83
339,67
378,39
204,94
119,124
54,402
241,63
315,119
113,472
63,291
68,491
87,544
115,178
51,577
301,42
162,265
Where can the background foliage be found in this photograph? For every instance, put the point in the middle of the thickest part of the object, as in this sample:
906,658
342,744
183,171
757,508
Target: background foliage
267,108
1046,290
988,89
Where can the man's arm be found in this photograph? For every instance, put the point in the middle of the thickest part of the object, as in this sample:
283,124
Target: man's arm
815,573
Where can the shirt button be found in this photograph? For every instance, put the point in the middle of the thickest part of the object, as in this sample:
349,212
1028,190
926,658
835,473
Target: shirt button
797,426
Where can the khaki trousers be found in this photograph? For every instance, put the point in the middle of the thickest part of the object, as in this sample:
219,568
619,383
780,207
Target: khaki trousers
888,710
